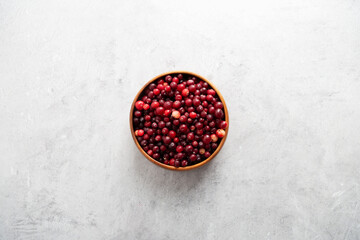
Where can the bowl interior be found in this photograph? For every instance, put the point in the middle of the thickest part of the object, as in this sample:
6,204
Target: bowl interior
168,166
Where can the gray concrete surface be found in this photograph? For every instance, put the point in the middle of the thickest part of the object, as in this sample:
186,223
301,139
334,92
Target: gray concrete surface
288,69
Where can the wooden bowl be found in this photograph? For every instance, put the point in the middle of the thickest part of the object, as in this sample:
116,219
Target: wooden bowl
168,166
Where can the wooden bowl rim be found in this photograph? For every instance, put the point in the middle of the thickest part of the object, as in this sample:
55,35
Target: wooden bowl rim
168,166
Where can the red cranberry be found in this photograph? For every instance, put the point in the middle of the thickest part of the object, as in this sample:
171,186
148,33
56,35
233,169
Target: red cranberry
189,149
192,157
193,115
207,154
199,132
180,76
211,92
184,163
211,110
176,122
191,136
196,102
183,118
195,143
161,124
223,125
155,105
206,139
164,131
218,105
219,113
167,140
150,132
209,98
158,138
188,102
139,105
185,92
146,136
180,87
176,104
150,152
177,163
160,110
183,128
172,162
172,134
156,91
176,79
179,148
198,125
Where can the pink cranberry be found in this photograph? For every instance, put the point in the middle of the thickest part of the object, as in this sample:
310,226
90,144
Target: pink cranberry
220,133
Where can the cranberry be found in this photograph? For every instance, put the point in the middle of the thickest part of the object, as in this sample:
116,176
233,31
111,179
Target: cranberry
193,115
176,79
206,139
185,92
209,98
191,136
211,110
150,152
180,87
155,105
176,104
219,113
172,134
189,149
150,132
188,102
177,163
175,114
198,125
161,124
173,85
156,91
180,76
211,92
167,140
172,162
172,145
183,128
183,119
223,125
214,138
140,132
184,163
220,133
139,105
196,102
207,154
179,148
160,110
164,131
158,138
192,158
218,105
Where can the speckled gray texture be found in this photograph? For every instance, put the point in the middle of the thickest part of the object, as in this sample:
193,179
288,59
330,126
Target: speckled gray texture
290,75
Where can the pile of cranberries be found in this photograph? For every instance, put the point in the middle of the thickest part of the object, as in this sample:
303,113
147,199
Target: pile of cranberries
179,120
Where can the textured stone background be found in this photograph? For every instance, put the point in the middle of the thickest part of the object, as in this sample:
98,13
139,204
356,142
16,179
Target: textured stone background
290,74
